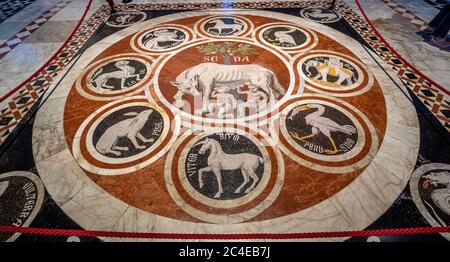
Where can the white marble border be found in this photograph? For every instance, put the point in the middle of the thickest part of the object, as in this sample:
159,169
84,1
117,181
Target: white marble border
353,208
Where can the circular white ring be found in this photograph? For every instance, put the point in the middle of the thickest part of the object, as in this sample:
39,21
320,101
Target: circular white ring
414,188
395,159
329,90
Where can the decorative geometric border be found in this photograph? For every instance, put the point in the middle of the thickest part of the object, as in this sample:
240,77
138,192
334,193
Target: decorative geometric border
18,38
434,99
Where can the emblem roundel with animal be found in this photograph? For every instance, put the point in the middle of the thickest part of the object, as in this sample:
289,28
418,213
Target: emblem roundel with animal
159,118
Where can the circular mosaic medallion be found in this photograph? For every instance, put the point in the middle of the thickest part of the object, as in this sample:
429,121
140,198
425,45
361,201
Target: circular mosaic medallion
223,80
126,18
430,190
21,197
224,26
319,130
224,170
115,77
288,37
122,137
320,15
335,74
161,39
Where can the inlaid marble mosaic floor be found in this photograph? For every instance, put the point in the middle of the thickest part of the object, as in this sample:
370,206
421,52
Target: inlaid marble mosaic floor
275,118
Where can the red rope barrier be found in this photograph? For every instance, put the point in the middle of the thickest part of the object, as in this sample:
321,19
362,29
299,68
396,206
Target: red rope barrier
51,58
179,236
398,54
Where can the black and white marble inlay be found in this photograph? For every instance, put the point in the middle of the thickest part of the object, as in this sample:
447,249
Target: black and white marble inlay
21,195
330,71
161,39
223,26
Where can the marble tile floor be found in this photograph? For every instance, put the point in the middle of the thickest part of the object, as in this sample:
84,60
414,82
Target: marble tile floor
379,165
